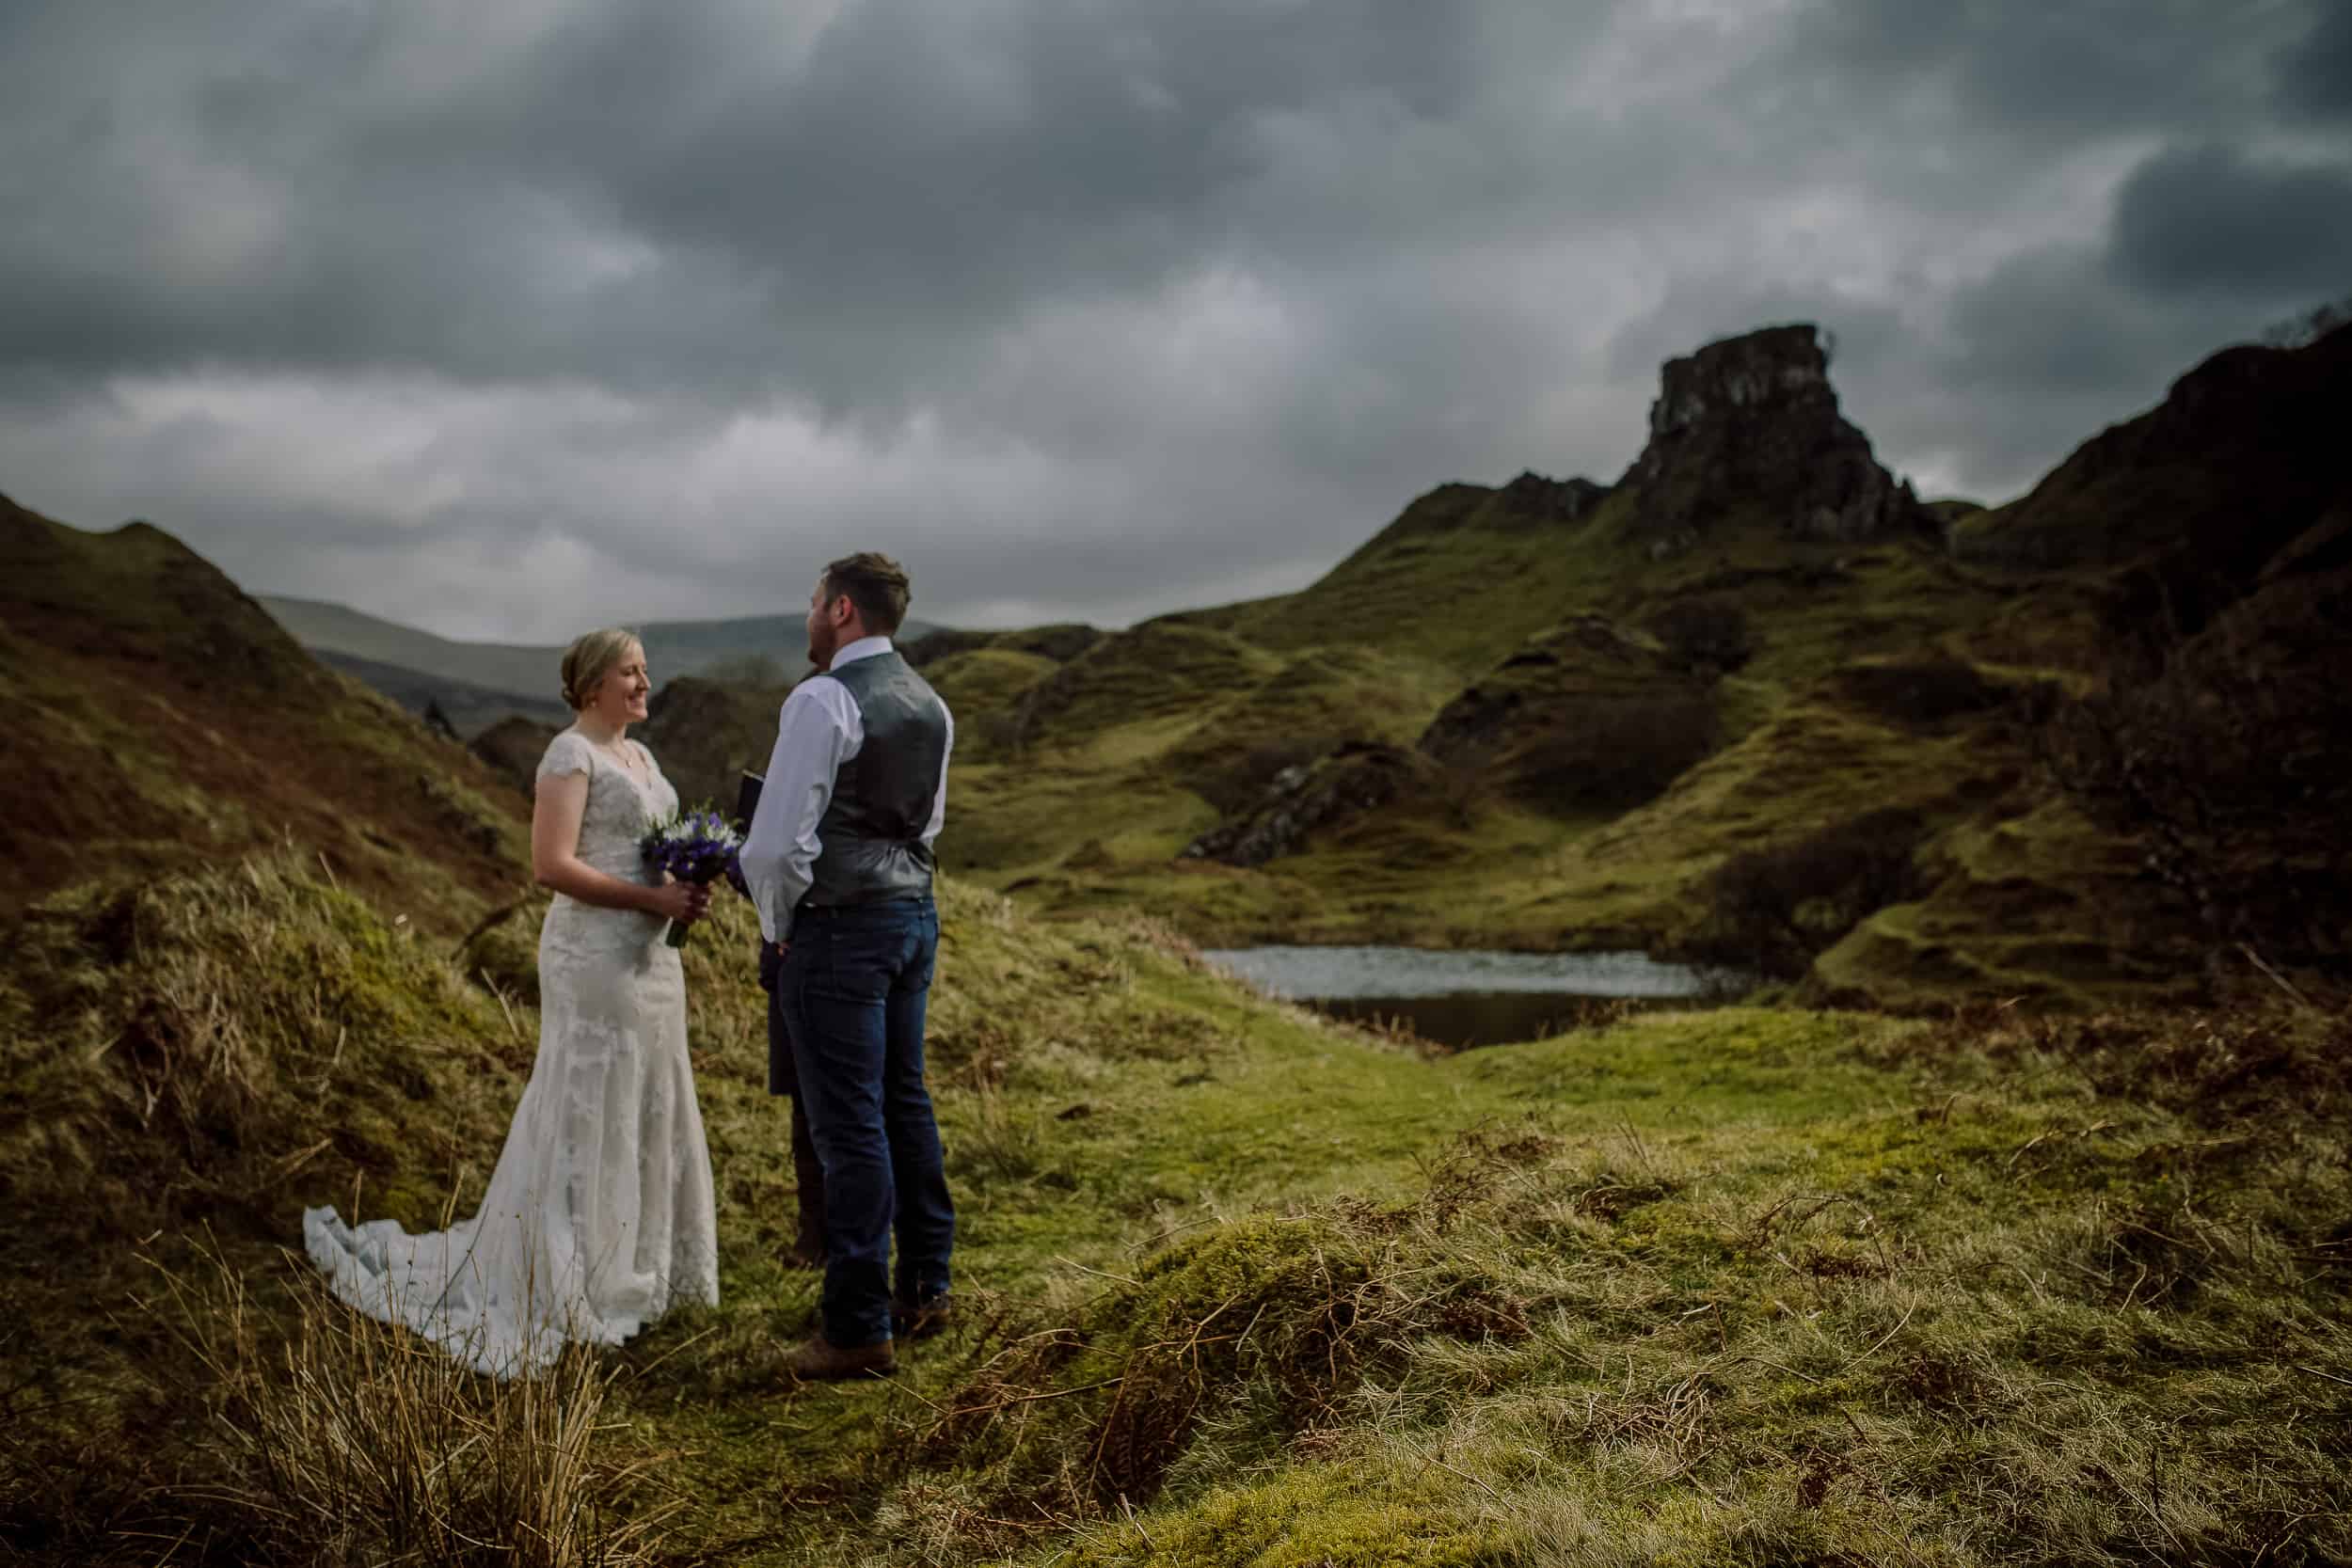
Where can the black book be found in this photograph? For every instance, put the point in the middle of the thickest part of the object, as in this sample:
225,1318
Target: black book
747,797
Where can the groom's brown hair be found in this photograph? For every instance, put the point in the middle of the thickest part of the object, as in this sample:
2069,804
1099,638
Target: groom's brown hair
876,584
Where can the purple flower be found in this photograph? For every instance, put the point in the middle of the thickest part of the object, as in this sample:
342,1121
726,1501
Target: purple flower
695,846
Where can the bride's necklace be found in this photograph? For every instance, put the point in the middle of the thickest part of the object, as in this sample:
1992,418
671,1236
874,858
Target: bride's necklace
618,751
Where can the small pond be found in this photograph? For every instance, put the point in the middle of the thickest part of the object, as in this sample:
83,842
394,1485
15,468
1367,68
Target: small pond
1469,998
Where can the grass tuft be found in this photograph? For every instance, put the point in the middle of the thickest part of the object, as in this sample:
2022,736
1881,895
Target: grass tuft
342,1440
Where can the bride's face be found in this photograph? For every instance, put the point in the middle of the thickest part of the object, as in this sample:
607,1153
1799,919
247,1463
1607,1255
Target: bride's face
621,696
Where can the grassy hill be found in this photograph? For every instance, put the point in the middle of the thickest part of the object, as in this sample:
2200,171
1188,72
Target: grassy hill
2241,457
1492,858
1594,720
161,720
1461,576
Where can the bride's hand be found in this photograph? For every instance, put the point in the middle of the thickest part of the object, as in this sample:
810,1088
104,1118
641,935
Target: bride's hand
682,902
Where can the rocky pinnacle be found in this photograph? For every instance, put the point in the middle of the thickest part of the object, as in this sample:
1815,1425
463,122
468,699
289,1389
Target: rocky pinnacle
1745,432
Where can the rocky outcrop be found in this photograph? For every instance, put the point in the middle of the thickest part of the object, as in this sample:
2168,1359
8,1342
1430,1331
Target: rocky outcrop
1356,779
1582,716
1747,432
1539,499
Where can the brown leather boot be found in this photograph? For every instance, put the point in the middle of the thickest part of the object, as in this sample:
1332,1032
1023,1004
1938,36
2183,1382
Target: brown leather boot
819,1361
921,1322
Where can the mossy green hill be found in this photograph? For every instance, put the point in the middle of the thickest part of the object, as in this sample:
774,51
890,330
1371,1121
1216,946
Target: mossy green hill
1591,699
160,717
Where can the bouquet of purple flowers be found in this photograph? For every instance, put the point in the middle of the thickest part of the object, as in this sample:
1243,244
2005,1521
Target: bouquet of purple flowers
693,846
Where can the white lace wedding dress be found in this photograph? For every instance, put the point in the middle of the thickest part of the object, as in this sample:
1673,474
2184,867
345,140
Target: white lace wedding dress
599,1214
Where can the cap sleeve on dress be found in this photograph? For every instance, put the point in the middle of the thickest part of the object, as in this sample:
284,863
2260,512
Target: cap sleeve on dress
567,753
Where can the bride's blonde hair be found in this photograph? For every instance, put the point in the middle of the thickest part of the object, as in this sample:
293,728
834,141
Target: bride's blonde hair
587,661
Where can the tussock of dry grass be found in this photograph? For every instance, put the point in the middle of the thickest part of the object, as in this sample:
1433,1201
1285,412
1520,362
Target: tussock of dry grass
339,1440
184,1045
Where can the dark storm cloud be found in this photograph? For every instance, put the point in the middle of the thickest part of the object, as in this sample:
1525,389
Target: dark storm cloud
2211,219
2316,75
665,190
2058,69
502,315
2094,354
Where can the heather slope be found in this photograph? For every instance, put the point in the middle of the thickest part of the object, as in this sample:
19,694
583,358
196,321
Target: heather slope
163,719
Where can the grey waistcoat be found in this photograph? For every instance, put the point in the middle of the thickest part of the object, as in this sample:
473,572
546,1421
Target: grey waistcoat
872,835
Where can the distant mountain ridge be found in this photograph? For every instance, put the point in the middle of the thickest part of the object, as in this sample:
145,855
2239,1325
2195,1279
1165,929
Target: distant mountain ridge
519,669
393,657
464,708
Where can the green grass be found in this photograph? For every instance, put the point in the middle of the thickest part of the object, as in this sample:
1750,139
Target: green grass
1140,745
1457,580
2042,906
1243,1287
987,677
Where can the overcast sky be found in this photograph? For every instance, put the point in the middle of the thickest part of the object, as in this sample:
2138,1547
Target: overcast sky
507,319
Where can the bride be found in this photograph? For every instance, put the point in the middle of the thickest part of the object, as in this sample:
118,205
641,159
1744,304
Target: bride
600,1214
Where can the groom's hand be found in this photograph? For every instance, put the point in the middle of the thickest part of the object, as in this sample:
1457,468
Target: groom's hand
770,960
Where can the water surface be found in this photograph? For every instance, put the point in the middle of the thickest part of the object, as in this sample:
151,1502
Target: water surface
1467,998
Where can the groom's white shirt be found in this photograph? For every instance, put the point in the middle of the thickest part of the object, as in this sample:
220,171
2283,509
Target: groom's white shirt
818,729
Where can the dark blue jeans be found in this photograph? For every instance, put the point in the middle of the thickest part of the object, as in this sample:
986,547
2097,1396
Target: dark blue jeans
852,989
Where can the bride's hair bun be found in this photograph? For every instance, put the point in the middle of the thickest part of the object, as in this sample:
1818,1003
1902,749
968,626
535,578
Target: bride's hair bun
587,661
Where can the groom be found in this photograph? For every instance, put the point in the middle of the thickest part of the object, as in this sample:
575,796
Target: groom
838,861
